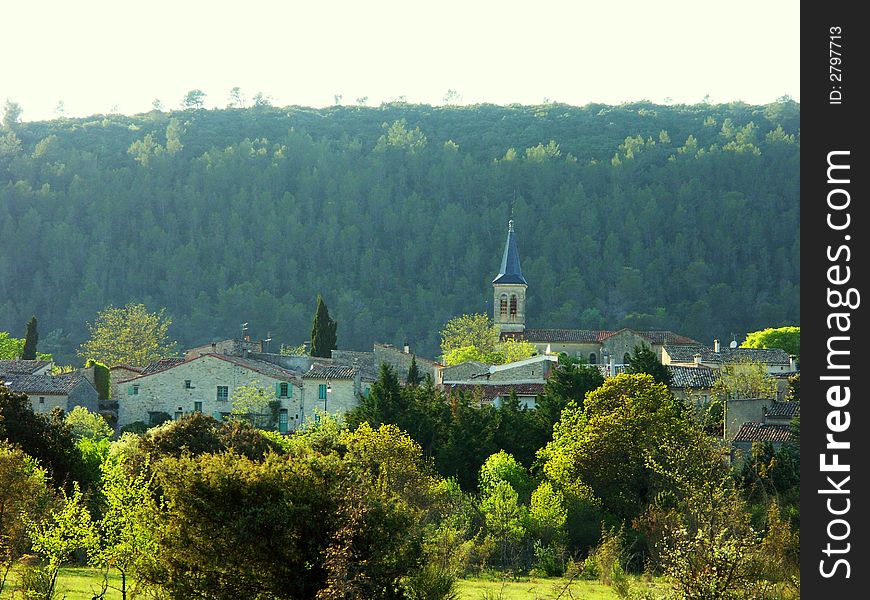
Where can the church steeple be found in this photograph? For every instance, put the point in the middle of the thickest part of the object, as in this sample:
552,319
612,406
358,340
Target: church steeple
510,263
509,289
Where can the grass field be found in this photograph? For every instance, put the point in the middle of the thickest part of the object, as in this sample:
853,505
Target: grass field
81,583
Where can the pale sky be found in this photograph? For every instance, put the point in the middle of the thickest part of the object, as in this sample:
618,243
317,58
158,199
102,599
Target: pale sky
97,56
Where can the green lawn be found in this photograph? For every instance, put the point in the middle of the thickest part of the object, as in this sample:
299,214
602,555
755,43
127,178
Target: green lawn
78,583
538,589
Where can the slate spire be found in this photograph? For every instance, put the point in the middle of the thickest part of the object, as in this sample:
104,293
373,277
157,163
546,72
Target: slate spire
510,263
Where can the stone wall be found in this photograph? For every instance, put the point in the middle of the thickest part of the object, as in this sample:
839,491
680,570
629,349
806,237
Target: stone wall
48,402
84,394
738,412
339,400
165,391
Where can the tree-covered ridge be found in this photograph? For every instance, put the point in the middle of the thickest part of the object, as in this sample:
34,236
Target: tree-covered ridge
676,217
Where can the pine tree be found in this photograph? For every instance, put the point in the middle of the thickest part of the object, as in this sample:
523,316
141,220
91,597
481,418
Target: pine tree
413,377
30,340
644,360
323,331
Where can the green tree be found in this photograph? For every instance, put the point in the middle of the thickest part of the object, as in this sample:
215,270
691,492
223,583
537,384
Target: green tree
46,437
10,347
504,467
505,521
644,360
63,533
324,338
469,330
31,338
194,99
252,404
785,338
570,381
413,377
547,514
24,494
127,534
129,335
83,423
605,452
11,114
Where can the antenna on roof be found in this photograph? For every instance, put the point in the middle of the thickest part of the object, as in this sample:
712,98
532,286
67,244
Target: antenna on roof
244,329
266,341
733,343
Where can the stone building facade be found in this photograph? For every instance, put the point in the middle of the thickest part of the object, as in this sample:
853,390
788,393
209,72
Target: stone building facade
206,384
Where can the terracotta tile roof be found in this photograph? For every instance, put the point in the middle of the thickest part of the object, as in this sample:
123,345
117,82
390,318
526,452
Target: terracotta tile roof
56,385
693,377
599,335
565,335
492,391
760,432
784,410
22,367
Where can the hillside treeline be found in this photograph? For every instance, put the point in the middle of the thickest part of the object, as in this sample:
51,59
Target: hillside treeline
679,217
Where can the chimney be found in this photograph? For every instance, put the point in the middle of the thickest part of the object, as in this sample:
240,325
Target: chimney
792,362
716,346
697,357
406,348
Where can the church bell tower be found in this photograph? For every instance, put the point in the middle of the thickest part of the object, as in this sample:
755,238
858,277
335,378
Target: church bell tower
509,289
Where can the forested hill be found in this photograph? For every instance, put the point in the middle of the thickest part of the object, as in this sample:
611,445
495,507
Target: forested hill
678,217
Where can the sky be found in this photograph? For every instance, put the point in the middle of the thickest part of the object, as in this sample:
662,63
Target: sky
98,56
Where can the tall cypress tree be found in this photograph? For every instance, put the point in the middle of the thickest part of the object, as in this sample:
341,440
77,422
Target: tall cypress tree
323,331
30,340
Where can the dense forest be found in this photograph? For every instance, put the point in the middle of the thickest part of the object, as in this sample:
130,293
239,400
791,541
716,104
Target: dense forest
680,217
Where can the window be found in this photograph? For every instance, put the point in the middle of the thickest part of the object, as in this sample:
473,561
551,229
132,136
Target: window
321,391
42,399
178,415
503,306
593,360
223,393
133,390
187,384
197,407
513,305
283,390
282,420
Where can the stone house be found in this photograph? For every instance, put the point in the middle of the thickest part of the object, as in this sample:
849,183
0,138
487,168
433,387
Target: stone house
335,389
399,359
774,429
775,360
693,384
497,393
206,384
494,383
47,392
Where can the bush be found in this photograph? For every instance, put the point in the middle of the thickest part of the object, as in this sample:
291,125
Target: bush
431,582
137,427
